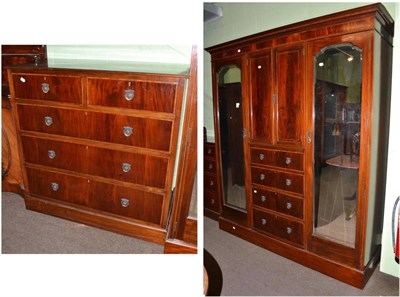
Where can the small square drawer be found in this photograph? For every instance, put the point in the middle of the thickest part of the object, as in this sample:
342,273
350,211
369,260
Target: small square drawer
283,159
210,182
280,227
278,202
136,204
211,200
132,94
278,179
60,88
210,166
58,186
209,150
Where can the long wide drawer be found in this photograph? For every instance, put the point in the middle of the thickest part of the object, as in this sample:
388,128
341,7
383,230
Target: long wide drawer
61,88
276,201
118,200
132,94
278,179
124,166
283,228
121,129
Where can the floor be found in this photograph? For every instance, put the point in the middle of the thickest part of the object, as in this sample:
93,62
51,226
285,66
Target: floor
250,270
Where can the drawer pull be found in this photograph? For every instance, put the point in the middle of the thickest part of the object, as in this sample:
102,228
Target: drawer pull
52,154
55,186
211,183
262,157
289,230
212,201
210,166
209,151
129,94
45,88
288,160
126,167
288,182
263,221
124,202
263,198
128,131
48,121
262,176
288,205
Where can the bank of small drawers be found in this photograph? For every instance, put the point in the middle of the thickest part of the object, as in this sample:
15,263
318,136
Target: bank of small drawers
277,193
211,197
101,142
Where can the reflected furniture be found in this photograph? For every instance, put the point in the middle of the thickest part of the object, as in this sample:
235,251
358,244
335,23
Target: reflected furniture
314,122
14,56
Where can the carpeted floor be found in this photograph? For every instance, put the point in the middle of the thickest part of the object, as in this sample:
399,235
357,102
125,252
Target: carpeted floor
250,270
29,232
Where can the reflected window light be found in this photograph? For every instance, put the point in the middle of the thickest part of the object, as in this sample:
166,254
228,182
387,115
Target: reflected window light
321,64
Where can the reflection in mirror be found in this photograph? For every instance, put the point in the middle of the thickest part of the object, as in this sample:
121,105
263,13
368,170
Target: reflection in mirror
337,113
231,136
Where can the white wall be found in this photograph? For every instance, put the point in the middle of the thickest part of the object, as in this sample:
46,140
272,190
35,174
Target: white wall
240,20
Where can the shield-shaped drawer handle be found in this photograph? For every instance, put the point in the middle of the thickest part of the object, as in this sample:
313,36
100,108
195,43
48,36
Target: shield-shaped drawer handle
129,94
45,88
55,186
262,176
288,182
48,121
52,154
124,202
128,131
126,167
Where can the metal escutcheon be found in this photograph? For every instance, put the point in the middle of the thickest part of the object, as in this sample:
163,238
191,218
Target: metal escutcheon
288,205
45,88
262,176
289,230
124,202
128,131
288,182
52,154
288,160
126,167
55,186
262,157
48,121
263,221
263,198
129,94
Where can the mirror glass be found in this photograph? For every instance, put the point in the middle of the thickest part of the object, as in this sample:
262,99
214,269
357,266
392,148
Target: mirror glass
337,113
231,136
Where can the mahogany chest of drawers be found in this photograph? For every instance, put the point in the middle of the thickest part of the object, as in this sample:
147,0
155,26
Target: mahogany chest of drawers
99,147
212,207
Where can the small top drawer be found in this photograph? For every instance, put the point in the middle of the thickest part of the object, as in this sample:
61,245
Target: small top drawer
131,94
209,150
287,160
67,89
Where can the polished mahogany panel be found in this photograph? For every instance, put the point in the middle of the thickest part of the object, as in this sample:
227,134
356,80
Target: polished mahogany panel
283,228
276,158
277,179
61,88
289,68
261,98
127,202
279,202
146,95
58,186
